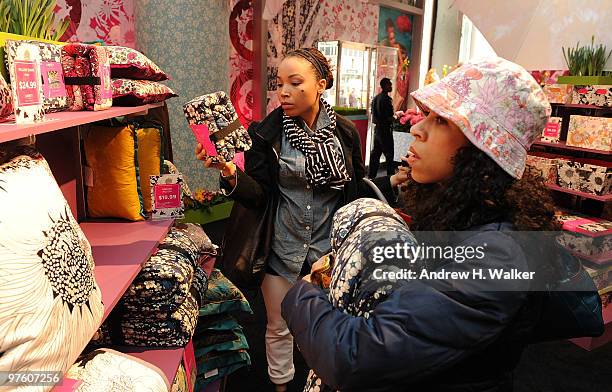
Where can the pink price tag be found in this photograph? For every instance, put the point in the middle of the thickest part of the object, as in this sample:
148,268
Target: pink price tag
203,137
167,196
53,79
106,90
28,79
552,130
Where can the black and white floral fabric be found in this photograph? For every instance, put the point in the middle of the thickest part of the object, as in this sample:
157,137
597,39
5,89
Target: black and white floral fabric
179,241
162,285
162,329
6,100
199,238
50,304
217,112
360,228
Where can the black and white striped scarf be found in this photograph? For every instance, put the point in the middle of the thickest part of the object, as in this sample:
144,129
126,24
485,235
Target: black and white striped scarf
324,161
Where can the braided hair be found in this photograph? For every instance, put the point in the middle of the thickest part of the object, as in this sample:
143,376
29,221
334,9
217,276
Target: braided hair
319,63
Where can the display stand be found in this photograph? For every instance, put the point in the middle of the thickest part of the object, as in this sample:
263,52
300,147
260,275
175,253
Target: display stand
119,248
562,149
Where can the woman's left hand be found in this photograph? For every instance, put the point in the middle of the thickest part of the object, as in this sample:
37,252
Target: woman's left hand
401,176
315,266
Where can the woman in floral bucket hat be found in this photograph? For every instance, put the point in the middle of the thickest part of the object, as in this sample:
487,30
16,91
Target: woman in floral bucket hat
469,188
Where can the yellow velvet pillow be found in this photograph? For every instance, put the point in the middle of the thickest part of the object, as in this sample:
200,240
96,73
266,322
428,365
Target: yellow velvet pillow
149,160
111,173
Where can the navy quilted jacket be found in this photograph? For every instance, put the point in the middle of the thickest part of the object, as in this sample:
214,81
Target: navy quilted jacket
436,335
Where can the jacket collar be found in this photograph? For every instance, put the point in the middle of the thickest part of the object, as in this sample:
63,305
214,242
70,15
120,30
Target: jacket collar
269,128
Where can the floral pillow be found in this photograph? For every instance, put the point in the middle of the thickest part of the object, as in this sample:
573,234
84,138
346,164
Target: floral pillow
6,100
50,302
131,64
110,370
223,296
127,92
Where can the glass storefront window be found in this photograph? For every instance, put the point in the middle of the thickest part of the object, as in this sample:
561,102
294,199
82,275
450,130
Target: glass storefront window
353,77
330,51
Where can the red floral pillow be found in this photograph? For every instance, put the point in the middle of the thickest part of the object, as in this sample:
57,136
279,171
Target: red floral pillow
6,100
131,64
127,92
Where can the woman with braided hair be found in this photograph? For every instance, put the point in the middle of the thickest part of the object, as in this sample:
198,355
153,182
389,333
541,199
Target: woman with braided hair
305,163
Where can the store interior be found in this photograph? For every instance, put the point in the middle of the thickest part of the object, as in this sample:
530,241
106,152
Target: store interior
112,232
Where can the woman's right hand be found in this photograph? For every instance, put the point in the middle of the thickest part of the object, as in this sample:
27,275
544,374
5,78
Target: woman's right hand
203,156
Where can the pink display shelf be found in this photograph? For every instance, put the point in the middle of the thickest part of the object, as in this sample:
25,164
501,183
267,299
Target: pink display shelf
581,194
564,146
61,120
67,385
601,259
593,343
119,251
168,360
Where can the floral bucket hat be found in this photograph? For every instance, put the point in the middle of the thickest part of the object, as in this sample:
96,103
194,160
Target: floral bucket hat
497,104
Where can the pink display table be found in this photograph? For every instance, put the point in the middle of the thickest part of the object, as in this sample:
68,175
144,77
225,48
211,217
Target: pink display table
119,251
61,120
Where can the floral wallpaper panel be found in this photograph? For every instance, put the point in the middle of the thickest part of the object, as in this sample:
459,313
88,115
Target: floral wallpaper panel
111,21
189,40
241,58
303,23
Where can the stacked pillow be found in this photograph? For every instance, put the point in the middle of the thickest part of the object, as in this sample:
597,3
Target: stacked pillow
135,78
110,370
161,306
6,100
219,341
87,76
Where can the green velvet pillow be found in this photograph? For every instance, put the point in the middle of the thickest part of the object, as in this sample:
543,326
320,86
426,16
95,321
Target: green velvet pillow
222,296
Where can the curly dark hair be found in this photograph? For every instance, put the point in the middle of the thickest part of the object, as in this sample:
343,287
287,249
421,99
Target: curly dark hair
480,192
320,64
